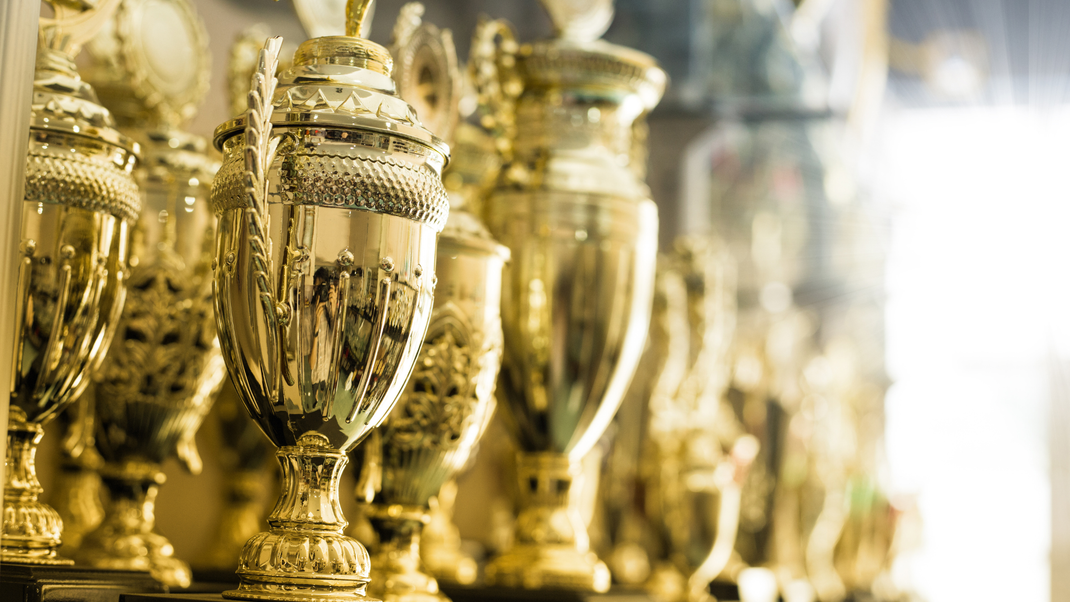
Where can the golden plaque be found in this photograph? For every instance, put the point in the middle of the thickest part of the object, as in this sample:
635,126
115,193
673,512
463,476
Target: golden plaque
80,201
329,204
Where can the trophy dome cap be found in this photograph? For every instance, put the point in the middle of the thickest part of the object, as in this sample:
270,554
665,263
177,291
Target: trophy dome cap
342,81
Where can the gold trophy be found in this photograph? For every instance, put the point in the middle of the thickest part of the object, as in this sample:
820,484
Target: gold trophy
577,294
329,203
450,397
80,199
159,380
698,454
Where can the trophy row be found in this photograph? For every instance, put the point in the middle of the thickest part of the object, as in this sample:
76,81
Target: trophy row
367,292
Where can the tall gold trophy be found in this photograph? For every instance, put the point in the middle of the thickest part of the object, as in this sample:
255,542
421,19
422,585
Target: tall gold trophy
80,200
329,203
159,380
449,399
577,294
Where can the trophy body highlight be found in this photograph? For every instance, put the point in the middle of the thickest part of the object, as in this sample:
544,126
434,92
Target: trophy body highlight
80,199
329,202
577,294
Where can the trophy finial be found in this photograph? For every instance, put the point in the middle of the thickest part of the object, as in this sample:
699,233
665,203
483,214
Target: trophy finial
356,12
580,20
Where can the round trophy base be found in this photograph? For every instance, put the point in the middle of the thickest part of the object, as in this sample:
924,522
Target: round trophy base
552,550
305,557
125,540
290,567
27,557
135,552
540,566
397,573
31,528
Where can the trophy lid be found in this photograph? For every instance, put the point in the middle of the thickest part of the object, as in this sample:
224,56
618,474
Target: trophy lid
344,82
428,75
576,58
65,105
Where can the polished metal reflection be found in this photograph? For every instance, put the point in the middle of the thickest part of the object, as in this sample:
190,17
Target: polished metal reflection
159,381
324,274
79,200
576,296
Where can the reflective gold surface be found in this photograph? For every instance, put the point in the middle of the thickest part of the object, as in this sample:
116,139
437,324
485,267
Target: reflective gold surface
577,293
329,207
80,198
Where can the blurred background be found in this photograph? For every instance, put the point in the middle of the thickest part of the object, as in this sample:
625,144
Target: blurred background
890,176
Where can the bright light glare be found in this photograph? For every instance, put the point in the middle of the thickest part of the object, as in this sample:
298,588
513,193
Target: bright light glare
979,296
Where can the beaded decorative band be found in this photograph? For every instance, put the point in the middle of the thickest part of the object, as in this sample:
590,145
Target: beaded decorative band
379,184
81,182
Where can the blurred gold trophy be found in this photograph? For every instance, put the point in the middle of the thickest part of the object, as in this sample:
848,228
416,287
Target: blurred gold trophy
80,199
329,203
576,296
450,397
698,454
164,368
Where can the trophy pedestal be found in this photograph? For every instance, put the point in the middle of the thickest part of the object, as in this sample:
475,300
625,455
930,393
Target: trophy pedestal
41,583
459,593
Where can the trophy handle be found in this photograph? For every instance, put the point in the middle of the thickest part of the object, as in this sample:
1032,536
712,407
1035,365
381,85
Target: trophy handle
362,404
735,468
492,70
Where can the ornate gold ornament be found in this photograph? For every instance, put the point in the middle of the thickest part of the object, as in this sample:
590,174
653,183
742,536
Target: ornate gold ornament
329,203
79,202
576,296
165,367
449,399
151,63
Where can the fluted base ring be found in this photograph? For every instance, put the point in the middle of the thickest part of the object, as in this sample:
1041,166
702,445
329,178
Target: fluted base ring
31,528
305,557
126,539
542,566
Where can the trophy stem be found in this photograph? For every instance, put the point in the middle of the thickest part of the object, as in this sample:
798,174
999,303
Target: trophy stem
305,556
552,549
126,539
397,570
32,528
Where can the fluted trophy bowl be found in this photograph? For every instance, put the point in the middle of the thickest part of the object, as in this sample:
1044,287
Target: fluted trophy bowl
80,199
159,380
324,276
577,295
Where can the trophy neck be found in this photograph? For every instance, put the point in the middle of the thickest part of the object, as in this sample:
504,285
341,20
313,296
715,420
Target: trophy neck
20,478
309,500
